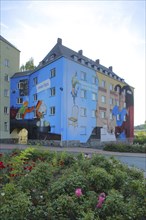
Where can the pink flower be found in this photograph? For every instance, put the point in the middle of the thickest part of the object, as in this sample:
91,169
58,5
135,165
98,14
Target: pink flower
2,165
78,192
101,199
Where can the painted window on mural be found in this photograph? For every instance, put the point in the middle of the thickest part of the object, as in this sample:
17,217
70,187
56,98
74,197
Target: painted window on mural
35,81
94,96
93,80
53,72
19,100
103,99
52,91
83,76
83,93
83,112
52,110
19,115
82,130
118,117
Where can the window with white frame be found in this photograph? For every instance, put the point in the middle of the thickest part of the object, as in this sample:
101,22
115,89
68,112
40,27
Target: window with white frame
35,97
83,130
83,76
35,81
52,91
6,78
124,104
93,113
53,72
111,87
52,110
6,110
103,83
19,100
83,112
6,92
94,96
83,93
103,114
111,101
103,99
19,115
124,118
20,85
5,126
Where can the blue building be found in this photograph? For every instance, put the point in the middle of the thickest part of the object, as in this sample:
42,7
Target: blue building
58,100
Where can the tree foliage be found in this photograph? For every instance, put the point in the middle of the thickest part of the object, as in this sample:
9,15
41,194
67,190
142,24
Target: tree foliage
29,65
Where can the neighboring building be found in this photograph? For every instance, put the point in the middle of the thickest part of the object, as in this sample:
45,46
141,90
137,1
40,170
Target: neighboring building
9,64
72,98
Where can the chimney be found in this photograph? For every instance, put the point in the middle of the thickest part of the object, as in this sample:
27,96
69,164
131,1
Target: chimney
80,52
59,41
97,61
111,68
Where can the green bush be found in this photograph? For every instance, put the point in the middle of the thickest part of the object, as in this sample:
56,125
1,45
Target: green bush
44,186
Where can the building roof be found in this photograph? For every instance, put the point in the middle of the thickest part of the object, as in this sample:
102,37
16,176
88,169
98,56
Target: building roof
7,42
24,73
60,50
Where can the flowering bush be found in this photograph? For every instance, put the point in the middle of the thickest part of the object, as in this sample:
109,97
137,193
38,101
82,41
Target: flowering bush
48,186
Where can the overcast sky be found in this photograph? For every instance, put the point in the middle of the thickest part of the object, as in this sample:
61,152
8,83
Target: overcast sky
112,31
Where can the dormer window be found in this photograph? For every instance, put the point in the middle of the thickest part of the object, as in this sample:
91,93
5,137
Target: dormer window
20,85
52,57
74,57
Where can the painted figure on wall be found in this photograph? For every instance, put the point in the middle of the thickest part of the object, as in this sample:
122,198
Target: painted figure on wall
122,112
74,82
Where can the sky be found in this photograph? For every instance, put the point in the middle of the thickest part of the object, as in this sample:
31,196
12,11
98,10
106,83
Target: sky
112,31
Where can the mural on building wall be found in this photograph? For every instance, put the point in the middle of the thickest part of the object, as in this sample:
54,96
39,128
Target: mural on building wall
123,112
36,122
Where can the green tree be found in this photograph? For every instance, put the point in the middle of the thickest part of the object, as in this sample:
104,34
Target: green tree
29,65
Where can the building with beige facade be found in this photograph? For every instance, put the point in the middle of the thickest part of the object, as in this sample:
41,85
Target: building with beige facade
9,64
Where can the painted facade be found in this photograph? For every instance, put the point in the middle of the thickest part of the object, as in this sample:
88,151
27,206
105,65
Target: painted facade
61,99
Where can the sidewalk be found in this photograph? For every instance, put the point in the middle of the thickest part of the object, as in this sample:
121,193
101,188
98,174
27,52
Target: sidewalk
71,149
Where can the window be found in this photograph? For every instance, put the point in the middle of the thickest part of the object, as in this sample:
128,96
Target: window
103,99
111,87
111,101
6,62
93,80
6,78
93,113
35,113
83,112
19,115
52,110
117,102
52,91
94,96
19,100
35,81
6,92
5,126
103,83
53,72
103,114
83,93
35,97
124,117
124,104
82,130
20,85
83,76
111,115
118,89
6,110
